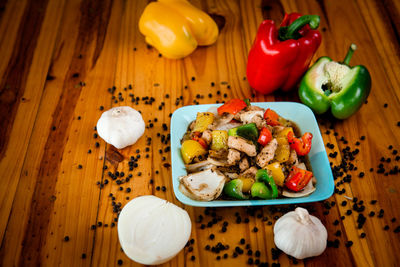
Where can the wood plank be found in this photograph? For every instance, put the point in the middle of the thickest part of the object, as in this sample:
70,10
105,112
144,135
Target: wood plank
19,107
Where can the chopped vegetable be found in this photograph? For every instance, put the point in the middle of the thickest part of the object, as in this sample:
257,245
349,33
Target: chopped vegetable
233,106
298,179
197,137
301,146
275,169
203,120
219,140
260,190
234,189
265,136
284,132
282,153
247,183
263,176
248,131
271,117
191,149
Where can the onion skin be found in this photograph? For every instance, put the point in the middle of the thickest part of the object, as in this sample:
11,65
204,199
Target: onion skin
152,231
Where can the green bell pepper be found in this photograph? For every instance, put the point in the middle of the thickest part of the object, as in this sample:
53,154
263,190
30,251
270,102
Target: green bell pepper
234,189
265,186
329,84
260,190
248,131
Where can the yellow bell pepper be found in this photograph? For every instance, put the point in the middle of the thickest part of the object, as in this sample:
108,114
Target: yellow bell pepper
219,140
275,170
203,119
175,27
191,149
247,183
282,153
284,132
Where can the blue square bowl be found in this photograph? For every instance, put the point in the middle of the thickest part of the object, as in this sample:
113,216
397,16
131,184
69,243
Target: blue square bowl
296,112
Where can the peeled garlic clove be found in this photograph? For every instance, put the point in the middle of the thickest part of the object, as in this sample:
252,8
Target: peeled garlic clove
152,231
121,126
300,235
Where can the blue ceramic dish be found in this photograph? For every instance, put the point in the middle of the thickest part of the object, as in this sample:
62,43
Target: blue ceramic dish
296,112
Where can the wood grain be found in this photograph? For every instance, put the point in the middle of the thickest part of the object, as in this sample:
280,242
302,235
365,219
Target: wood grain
60,59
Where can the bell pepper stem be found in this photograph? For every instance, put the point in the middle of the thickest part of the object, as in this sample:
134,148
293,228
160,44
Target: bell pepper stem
349,54
292,31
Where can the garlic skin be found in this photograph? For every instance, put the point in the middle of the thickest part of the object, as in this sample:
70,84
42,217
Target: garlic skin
121,126
300,235
152,230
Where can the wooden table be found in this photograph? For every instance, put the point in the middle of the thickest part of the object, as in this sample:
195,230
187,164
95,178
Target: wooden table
58,59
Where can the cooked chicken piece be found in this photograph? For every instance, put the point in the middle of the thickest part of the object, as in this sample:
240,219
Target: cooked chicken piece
205,185
254,116
220,121
244,164
252,107
250,172
293,160
267,153
233,156
206,135
218,154
242,145
237,115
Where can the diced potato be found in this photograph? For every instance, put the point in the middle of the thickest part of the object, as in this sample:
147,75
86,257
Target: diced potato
275,170
282,153
247,183
191,149
203,119
219,140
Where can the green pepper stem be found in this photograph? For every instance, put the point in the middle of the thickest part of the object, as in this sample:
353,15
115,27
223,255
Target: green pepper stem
349,54
292,31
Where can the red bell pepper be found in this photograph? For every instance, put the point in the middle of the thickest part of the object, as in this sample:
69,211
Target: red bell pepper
233,106
265,136
298,179
271,117
196,136
301,146
278,58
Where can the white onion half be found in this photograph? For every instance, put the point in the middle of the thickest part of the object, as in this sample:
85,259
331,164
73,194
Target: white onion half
152,230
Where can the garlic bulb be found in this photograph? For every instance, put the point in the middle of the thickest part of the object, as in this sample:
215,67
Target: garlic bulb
121,126
152,231
300,235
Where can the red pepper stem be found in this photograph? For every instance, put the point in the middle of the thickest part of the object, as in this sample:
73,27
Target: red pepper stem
349,54
292,31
